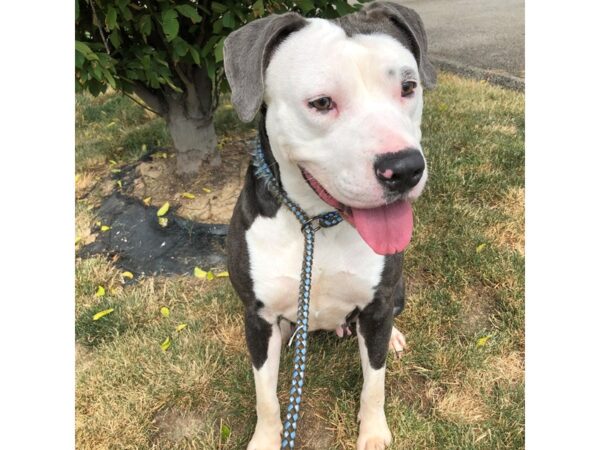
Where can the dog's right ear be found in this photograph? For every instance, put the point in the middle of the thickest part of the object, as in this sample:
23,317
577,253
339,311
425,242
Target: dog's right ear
246,54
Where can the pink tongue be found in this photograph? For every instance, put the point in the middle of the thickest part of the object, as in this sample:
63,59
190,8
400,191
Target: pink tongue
387,229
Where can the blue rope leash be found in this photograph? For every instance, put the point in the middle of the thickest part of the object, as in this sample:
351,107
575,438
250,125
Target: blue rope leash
309,226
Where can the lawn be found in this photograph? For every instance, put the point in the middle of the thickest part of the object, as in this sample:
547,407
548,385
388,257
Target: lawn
461,384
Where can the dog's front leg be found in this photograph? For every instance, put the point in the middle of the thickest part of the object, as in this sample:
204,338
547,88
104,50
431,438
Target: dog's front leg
374,330
264,344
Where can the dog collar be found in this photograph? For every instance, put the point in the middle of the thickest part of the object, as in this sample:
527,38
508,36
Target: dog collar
308,226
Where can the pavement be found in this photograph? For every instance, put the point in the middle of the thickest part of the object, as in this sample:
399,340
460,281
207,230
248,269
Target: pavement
484,39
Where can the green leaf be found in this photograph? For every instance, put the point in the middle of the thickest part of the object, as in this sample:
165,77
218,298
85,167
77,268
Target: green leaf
228,20
180,46
115,39
165,344
217,7
163,209
343,8
190,12
145,25
219,50
170,24
76,10
305,5
225,432
101,314
165,311
111,18
195,55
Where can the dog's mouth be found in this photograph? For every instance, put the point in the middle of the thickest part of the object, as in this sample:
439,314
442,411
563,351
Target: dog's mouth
387,229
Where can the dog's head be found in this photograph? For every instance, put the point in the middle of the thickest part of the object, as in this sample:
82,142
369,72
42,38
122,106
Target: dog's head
344,101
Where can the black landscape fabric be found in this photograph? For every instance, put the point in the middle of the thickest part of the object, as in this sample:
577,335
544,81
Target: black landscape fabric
145,247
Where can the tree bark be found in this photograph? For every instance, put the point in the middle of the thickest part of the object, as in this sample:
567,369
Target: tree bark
189,117
195,140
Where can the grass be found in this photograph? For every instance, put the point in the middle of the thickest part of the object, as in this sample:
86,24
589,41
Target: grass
461,385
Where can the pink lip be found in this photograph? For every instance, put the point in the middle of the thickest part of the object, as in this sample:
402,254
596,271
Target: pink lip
326,196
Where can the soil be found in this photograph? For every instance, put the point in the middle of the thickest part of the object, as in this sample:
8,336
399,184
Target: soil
215,189
122,201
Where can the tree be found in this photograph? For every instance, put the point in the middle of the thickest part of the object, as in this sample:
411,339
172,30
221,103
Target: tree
169,53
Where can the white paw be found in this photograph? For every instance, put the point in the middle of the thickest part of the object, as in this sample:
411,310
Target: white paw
397,342
266,438
374,436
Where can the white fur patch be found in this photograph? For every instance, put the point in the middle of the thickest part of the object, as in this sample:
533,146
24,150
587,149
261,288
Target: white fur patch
363,76
345,270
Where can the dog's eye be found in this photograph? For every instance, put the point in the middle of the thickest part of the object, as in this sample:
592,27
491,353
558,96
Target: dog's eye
322,104
408,87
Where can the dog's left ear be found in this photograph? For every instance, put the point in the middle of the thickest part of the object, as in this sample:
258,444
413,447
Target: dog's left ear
401,23
246,55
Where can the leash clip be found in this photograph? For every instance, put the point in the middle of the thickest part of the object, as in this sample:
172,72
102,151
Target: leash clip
311,223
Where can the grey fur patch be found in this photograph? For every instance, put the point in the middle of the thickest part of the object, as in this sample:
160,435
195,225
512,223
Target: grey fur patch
246,54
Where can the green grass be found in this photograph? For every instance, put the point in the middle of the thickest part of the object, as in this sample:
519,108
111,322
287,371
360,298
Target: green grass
465,276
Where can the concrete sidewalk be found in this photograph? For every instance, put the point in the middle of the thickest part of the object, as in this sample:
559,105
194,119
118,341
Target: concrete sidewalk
480,38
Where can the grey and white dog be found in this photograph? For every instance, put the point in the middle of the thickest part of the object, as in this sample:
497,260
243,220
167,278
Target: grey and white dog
340,103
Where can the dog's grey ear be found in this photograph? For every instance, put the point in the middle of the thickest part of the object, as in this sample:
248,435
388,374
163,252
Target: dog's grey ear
246,54
400,22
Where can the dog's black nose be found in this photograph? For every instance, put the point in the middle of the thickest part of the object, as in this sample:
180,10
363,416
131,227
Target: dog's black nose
400,171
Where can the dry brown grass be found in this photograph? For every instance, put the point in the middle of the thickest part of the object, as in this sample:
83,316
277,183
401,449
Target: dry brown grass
510,233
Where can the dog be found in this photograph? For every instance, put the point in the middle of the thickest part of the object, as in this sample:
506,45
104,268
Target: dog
340,105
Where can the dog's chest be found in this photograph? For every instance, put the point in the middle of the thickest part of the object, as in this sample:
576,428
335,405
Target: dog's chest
345,271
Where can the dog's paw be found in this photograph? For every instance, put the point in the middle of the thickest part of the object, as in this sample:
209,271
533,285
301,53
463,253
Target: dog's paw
375,438
266,438
397,342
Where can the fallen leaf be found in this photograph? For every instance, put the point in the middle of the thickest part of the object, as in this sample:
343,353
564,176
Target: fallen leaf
222,274
144,148
100,291
101,314
77,240
120,184
112,162
163,221
165,311
163,209
110,125
127,275
165,344
115,170
482,340
147,201
188,195
98,223
225,432
199,273
77,176
207,190
480,247
181,326
104,228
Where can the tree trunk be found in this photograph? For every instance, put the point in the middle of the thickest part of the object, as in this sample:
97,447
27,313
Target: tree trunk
189,116
195,140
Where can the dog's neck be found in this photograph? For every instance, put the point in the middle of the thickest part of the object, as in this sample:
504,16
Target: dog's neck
288,174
